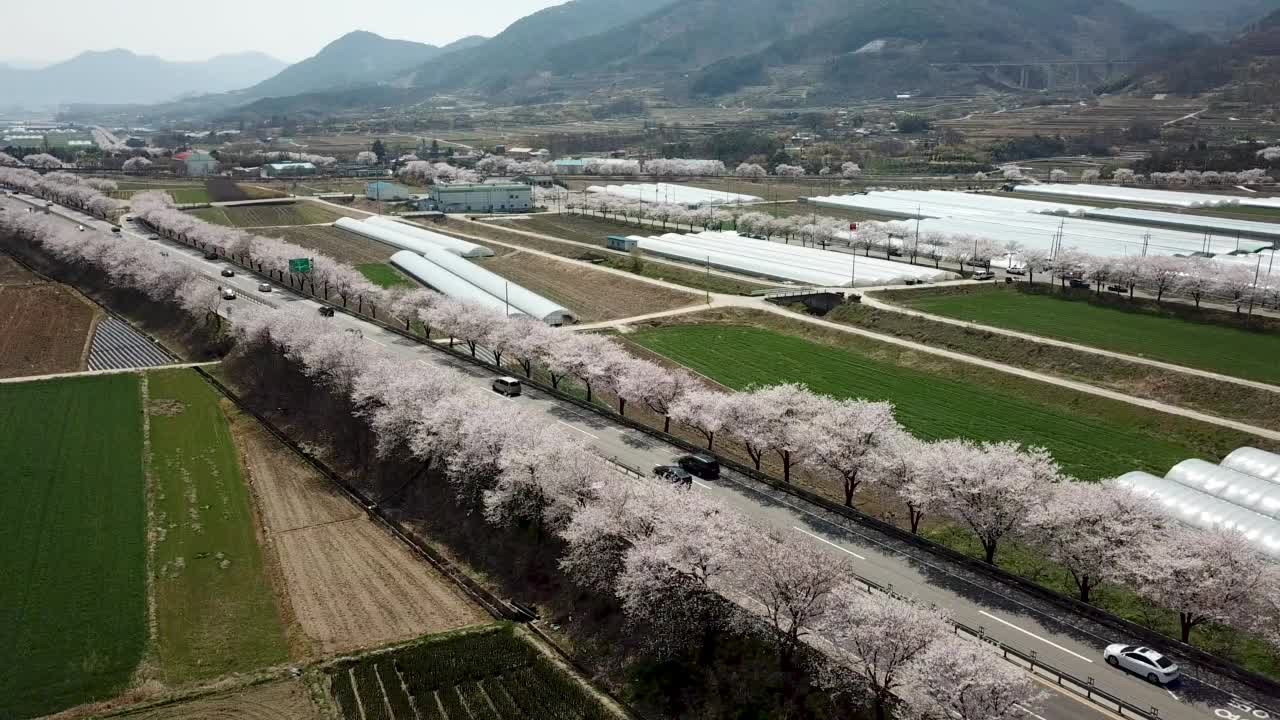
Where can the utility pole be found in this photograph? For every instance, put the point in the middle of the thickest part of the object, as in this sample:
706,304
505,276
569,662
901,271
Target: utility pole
708,288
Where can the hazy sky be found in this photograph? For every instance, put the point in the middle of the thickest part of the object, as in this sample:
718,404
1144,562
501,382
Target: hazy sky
290,30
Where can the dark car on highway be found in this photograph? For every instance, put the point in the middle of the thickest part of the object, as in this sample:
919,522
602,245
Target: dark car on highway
673,474
703,466
228,272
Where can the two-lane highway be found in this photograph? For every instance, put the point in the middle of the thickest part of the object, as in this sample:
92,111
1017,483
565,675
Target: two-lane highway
1055,636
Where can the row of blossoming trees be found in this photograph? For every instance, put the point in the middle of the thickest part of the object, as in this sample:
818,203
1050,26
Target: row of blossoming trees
999,492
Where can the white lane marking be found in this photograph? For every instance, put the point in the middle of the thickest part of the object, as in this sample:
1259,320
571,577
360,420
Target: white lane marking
1028,632
372,340
1037,717
822,539
1175,697
701,484
584,432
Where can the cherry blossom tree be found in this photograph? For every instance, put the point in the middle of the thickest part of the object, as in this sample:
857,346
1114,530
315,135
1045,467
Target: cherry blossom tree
7,160
785,170
42,161
751,171
543,479
702,410
136,165
1161,273
1203,575
873,640
1198,277
990,488
959,679
366,157
847,440
1090,176
905,466
786,583
1057,175
1092,530
850,170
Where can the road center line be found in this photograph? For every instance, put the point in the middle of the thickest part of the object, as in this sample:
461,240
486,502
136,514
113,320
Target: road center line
822,539
1028,632
584,432
701,484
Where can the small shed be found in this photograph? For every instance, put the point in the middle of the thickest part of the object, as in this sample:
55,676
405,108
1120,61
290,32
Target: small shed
621,243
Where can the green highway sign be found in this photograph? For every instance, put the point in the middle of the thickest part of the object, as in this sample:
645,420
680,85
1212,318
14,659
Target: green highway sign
300,265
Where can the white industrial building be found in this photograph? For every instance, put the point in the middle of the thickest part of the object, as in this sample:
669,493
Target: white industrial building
1242,493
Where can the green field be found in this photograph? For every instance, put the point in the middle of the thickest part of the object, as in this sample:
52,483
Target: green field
1219,348
382,275
214,606
72,542
1091,437
304,213
184,196
482,674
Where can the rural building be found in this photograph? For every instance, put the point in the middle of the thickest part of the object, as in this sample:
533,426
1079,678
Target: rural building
539,180
200,164
510,197
289,169
382,190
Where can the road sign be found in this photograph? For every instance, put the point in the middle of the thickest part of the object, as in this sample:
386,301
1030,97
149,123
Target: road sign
853,226
300,265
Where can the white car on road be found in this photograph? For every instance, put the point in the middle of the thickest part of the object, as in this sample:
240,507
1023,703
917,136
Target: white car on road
1141,661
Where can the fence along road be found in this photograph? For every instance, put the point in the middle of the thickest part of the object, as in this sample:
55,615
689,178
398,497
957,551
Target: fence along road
1051,635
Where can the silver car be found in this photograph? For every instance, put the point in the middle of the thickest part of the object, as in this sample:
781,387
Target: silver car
1143,662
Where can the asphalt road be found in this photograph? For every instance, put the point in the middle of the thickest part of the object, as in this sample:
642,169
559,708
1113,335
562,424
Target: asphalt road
1057,637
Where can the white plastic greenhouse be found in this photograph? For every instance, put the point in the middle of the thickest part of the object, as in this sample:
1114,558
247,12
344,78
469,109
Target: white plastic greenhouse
1197,509
527,301
408,237
1247,491
943,203
1195,223
445,282
452,244
791,263
1121,193
1242,493
670,193
1255,462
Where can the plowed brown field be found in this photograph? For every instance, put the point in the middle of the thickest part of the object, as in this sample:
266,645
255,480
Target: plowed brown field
284,700
350,583
43,328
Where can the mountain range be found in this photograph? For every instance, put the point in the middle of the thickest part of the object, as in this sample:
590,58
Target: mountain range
121,77
357,58
823,49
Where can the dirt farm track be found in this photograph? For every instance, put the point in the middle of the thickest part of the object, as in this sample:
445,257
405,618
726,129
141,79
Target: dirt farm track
350,584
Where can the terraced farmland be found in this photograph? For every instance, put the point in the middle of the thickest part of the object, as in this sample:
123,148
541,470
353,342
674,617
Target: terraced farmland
487,674
1092,437
72,542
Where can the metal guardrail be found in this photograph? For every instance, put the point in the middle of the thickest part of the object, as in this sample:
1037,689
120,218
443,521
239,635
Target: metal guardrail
1084,689
1114,622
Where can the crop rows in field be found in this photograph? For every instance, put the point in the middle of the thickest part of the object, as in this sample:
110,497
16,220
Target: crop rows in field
486,675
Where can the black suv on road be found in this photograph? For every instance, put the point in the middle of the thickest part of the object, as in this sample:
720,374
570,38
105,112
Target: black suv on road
703,466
